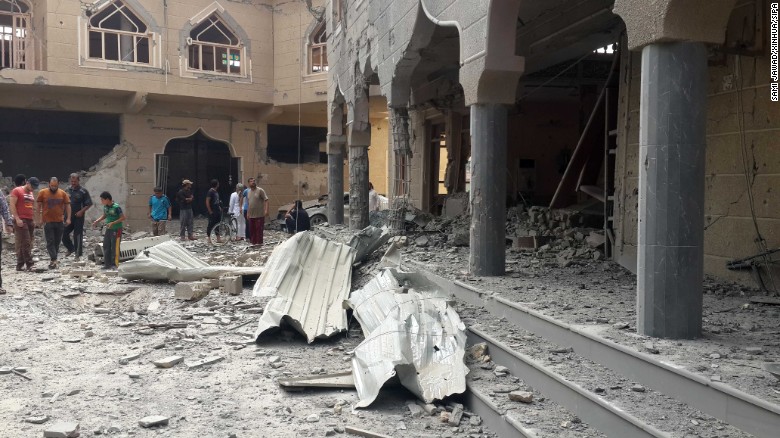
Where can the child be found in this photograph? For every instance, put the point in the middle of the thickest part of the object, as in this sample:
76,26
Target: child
159,211
114,216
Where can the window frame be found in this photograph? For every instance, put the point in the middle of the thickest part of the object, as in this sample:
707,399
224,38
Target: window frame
240,47
20,50
312,45
154,40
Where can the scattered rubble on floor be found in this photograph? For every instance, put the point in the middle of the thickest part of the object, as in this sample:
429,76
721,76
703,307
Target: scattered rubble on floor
169,261
414,334
308,277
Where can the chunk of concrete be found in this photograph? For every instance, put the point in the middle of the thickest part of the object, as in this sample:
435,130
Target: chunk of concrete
167,362
62,429
231,285
153,420
190,291
521,396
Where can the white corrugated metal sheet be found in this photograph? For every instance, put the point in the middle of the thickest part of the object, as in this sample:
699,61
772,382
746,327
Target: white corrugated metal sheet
413,333
169,261
309,278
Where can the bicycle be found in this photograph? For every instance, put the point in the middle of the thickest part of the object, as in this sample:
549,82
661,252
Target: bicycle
227,229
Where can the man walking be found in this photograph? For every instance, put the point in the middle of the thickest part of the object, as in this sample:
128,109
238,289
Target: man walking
22,209
184,198
214,207
80,202
258,210
6,217
112,239
159,211
54,207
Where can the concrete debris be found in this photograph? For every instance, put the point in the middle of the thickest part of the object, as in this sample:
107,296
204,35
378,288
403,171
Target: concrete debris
62,429
191,291
456,204
367,241
231,285
170,261
37,420
167,362
414,334
364,433
203,362
392,257
309,278
521,396
153,421
343,380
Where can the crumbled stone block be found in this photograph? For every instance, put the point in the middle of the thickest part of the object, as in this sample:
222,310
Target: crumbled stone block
521,396
192,290
153,420
232,285
62,429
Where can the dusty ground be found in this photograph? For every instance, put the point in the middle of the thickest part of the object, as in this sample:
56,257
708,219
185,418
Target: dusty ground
71,336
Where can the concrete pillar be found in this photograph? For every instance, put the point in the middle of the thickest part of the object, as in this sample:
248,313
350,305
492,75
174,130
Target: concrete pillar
488,189
358,142
672,131
402,157
335,182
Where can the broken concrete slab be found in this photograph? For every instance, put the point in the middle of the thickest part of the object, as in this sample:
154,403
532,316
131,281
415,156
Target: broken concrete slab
367,241
416,335
62,429
392,257
521,396
153,421
191,291
169,261
309,278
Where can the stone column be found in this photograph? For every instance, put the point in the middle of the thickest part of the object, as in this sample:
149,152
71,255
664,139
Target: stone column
335,181
402,157
672,139
358,142
488,189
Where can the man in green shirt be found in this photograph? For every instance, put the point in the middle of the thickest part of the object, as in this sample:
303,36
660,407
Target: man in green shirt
114,216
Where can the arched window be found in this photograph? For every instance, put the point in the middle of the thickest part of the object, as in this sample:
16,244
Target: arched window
116,33
14,32
318,49
215,48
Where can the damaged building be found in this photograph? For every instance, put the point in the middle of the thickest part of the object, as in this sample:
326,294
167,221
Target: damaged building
655,116
137,93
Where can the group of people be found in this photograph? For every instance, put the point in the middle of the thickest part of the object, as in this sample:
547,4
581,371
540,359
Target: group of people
61,214
249,205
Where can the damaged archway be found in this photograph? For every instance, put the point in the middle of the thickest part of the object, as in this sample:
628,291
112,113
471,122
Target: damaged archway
199,158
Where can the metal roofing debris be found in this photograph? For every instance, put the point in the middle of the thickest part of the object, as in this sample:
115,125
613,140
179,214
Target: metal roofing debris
309,278
415,334
367,241
169,261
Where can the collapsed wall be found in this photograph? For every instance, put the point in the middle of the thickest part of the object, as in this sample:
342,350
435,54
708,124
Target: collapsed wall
109,174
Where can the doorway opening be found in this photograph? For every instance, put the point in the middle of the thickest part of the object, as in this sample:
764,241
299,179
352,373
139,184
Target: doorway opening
198,158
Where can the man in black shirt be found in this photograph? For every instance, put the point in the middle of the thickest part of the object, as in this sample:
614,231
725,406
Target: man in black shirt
80,202
184,198
297,219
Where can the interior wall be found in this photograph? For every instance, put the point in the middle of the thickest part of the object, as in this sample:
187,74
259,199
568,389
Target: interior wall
54,143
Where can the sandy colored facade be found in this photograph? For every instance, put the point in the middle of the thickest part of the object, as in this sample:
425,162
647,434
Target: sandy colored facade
211,121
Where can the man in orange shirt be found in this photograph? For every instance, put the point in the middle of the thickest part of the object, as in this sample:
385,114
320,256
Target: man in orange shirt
54,206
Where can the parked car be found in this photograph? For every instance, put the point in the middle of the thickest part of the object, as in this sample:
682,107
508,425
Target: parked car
318,209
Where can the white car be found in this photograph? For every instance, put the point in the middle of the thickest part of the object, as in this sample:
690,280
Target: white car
318,209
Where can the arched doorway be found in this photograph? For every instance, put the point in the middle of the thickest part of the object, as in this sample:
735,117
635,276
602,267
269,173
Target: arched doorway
200,159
